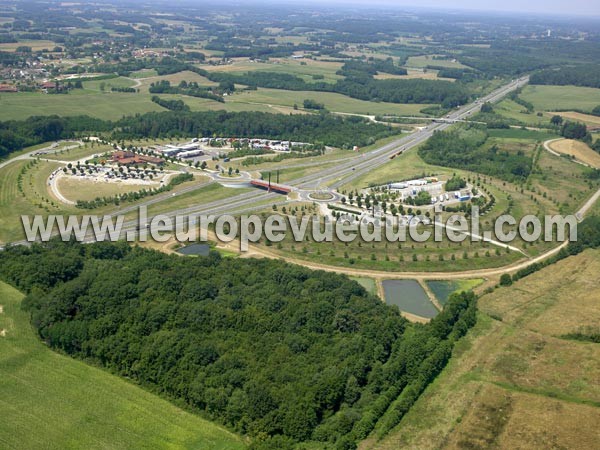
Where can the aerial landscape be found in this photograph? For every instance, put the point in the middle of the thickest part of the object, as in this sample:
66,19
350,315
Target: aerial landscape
299,225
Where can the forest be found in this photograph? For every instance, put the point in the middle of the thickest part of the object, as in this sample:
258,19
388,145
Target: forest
582,75
274,351
464,149
327,129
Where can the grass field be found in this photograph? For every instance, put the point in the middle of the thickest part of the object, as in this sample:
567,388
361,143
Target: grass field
21,105
514,382
368,283
513,110
54,402
30,199
75,154
427,60
36,45
114,105
332,101
549,98
521,134
77,188
304,69
175,79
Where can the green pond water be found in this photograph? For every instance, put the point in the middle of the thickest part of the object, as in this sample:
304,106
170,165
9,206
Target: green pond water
408,296
195,249
443,289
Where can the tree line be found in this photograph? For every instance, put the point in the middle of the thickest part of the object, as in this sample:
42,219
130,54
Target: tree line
328,129
580,75
275,351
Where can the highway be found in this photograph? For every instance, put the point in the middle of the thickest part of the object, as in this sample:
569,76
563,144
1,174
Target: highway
343,173
347,170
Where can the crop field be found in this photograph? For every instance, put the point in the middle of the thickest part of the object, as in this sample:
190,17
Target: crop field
577,149
413,73
550,98
588,119
515,381
428,60
110,106
52,401
175,79
36,45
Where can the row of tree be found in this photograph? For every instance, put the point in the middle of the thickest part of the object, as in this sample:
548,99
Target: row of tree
324,128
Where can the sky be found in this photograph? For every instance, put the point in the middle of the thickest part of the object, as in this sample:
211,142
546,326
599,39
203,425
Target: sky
546,7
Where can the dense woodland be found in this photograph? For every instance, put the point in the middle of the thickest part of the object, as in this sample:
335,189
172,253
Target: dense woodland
356,84
275,351
327,129
581,75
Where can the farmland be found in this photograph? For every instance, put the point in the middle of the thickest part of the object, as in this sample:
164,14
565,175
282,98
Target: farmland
551,98
332,101
430,60
107,105
70,404
578,150
305,69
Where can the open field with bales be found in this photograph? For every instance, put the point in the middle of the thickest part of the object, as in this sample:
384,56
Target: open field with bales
70,404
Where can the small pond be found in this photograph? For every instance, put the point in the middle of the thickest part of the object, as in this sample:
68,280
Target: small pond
409,296
195,250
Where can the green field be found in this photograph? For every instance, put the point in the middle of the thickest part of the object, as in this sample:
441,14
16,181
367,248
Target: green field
513,110
521,134
549,98
21,105
54,402
427,60
112,106
96,85
332,101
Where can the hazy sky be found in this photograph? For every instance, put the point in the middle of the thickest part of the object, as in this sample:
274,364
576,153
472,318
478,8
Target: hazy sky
553,7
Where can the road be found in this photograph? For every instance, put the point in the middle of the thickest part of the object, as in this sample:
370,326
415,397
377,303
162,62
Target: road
50,150
342,173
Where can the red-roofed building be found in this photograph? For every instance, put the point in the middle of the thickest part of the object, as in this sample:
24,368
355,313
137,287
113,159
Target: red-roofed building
128,158
8,88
